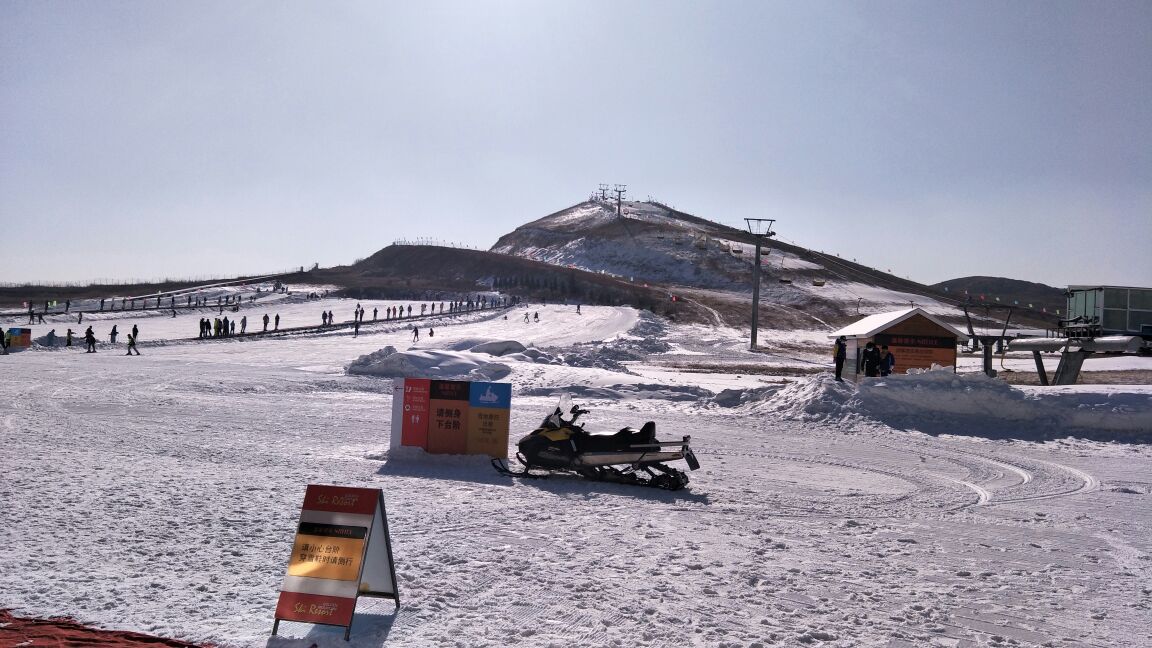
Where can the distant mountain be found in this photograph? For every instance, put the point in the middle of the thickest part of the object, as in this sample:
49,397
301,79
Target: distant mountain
999,290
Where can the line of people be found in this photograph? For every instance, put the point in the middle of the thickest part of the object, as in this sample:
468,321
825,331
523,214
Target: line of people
222,327
874,360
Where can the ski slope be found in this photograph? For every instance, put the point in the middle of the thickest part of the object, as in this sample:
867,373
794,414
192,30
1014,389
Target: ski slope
160,493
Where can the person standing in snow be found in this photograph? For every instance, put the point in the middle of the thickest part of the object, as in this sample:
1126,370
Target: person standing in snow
265,322
243,325
431,332
132,345
374,313
80,318
5,342
887,361
135,334
870,360
839,353
356,328
113,334
324,318
277,326
89,341
415,333
68,339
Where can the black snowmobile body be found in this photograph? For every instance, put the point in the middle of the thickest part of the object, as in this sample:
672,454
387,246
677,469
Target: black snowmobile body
628,456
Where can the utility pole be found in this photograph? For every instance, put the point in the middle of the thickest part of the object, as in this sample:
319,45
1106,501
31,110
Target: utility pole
619,190
761,228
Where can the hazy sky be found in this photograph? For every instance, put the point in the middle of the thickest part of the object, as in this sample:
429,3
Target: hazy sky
938,139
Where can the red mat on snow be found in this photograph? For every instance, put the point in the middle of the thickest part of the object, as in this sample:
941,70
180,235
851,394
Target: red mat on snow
65,633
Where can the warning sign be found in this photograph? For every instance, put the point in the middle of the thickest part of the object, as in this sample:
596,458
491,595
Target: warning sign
342,551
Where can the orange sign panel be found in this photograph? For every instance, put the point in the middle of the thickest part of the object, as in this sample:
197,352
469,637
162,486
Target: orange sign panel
327,551
488,432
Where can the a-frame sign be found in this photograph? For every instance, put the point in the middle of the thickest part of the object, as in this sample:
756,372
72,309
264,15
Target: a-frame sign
342,551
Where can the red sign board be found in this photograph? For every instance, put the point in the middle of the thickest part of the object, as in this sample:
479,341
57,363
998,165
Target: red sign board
414,424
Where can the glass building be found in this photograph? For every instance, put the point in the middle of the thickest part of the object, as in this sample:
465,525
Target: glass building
1108,310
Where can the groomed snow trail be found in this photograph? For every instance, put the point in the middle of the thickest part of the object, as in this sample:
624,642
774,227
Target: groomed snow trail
160,493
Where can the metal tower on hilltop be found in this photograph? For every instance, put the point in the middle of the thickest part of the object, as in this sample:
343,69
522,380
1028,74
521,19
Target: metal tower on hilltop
619,190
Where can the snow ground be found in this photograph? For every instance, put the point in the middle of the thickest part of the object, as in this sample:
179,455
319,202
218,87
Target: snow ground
160,493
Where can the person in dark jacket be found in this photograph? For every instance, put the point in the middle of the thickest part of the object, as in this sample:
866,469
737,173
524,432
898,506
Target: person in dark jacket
839,352
113,334
870,360
887,361
68,338
132,345
89,341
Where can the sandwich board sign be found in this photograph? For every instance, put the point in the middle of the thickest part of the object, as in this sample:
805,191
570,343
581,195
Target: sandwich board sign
342,551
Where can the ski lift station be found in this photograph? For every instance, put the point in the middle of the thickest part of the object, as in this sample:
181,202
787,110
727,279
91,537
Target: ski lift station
1095,311
916,338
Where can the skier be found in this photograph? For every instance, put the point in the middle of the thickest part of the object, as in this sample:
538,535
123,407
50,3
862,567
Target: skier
839,352
89,341
132,345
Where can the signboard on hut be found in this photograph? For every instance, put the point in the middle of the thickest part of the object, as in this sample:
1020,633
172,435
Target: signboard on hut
342,551
451,416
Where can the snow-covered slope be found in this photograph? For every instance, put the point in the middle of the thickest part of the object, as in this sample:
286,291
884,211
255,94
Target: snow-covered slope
160,493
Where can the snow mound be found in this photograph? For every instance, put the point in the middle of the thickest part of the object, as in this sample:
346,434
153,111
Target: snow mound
499,347
943,402
427,363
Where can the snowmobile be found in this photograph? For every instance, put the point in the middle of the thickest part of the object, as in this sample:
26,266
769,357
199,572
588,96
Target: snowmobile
629,456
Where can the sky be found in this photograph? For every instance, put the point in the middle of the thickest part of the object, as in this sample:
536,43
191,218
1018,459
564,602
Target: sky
144,140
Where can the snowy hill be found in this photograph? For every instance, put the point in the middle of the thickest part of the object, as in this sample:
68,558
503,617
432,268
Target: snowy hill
649,242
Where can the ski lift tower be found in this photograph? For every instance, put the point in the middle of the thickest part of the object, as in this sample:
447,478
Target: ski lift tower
761,229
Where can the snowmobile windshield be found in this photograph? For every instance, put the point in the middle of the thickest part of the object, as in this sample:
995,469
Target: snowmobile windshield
563,406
